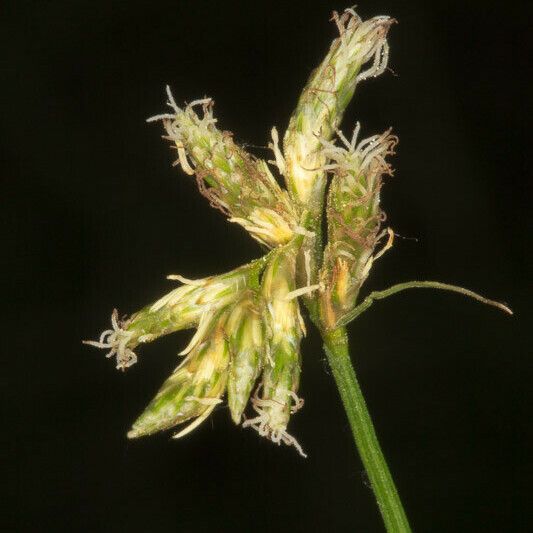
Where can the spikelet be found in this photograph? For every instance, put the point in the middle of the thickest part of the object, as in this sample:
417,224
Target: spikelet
276,398
233,181
193,390
325,97
180,309
245,331
354,218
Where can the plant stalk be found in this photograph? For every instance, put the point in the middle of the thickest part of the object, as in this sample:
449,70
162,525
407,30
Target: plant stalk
390,506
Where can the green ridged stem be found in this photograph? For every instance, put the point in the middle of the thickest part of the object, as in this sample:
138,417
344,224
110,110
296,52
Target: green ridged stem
390,506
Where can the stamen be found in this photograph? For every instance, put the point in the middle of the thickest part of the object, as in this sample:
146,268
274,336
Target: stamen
116,340
204,401
203,325
184,161
355,135
114,320
388,244
187,281
289,440
147,337
298,402
164,116
96,344
347,254
194,424
261,423
343,138
381,57
201,101
172,297
302,231
280,161
105,333
302,290
366,268
171,102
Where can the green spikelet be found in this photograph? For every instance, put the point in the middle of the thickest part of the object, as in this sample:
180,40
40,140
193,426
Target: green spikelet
326,96
180,309
233,181
281,375
354,219
246,336
192,391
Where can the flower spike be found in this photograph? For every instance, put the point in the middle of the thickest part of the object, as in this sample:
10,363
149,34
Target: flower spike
281,375
248,321
235,182
245,331
182,308
193,390
325,97
354,218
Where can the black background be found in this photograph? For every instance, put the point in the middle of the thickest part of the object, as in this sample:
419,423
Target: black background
95,217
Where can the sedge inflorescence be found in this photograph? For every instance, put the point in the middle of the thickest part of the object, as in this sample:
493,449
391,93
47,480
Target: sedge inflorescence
249,322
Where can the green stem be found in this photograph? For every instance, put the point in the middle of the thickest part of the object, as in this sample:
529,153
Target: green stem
380,295
390,506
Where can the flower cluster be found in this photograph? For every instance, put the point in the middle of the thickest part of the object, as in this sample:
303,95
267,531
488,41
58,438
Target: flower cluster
248,325
248,321
183,308
326,95
354,218
235,182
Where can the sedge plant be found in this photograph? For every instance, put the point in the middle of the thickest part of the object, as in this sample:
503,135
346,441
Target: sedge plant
249,322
